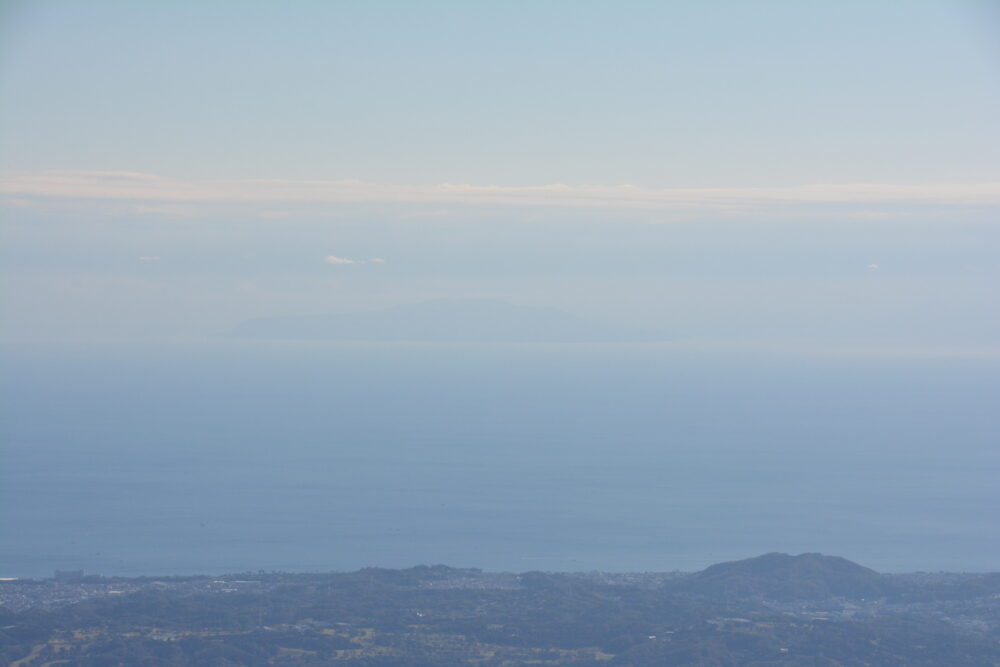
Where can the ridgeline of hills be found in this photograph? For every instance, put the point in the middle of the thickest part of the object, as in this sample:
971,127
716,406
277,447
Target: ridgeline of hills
445,320
775,609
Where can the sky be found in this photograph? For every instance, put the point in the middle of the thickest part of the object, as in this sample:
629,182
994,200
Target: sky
767,171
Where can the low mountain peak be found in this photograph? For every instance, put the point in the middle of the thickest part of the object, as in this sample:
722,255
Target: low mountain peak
782,576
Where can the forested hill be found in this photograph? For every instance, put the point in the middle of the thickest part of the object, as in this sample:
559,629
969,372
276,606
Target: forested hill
778,576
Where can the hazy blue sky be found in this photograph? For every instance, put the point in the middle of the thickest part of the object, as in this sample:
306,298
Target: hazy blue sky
739,170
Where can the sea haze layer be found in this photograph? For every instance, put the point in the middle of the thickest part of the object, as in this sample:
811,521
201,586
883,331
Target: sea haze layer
441,320
233,456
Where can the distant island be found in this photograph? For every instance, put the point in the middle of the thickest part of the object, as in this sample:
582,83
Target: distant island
446,320
774,609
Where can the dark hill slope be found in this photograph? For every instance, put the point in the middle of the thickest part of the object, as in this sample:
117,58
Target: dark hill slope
784,577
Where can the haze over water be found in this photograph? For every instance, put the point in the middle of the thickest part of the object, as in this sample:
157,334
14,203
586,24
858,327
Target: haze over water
180,459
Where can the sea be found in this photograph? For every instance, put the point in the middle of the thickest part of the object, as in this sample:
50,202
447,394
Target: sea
221,456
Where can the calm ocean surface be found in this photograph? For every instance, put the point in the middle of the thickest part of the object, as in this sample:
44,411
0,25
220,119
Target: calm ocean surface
227,457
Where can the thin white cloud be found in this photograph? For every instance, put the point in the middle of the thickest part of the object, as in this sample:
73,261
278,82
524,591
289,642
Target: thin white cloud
155,190
149,258
873,267
333,259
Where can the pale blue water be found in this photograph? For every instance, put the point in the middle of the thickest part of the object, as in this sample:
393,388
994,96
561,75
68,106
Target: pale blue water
230,457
